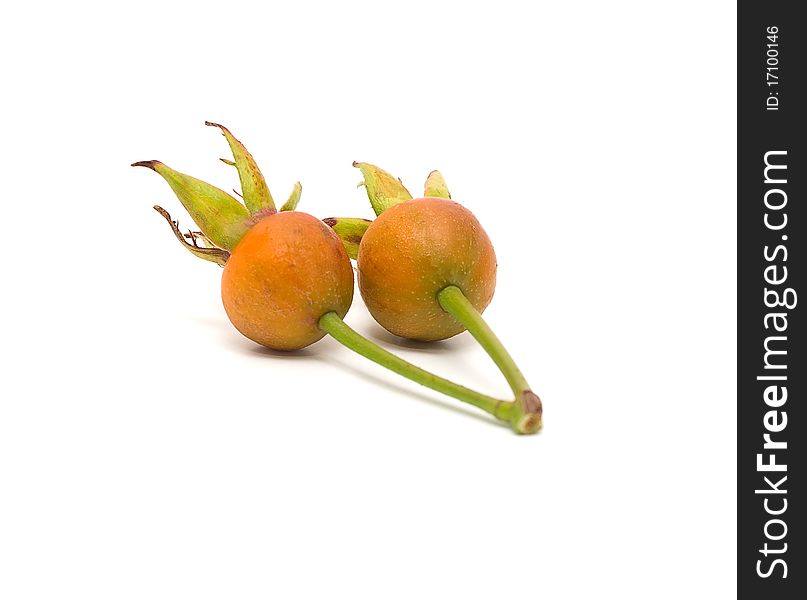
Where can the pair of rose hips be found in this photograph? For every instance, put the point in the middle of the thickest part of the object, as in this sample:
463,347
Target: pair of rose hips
426,270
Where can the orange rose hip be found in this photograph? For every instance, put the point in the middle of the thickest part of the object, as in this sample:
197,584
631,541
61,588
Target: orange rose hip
414,250
287,271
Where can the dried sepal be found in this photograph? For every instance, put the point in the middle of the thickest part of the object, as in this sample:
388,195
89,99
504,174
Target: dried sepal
205,252
294,198
198,237
436,186
383,190
253,185
350,231
222,218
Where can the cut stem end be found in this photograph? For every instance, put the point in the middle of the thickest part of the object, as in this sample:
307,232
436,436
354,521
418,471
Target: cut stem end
527,415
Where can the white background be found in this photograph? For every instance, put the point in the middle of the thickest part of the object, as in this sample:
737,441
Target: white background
149,451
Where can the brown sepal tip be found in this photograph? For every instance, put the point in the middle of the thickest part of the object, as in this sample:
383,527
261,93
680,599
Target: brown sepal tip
149,164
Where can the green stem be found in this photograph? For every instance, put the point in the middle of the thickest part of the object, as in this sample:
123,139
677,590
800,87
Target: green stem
342,333
454,302
526,416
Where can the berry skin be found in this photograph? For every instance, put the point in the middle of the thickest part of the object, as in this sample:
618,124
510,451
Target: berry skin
287,271
411,252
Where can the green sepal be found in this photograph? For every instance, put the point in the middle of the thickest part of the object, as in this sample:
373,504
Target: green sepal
294,198
350,231
383,190
253,185
222,218
436,186
205,252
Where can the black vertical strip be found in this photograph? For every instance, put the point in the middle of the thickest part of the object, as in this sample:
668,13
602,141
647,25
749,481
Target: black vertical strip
771,363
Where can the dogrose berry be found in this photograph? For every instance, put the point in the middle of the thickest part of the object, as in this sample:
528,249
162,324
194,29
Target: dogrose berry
413,251
427,270
283,270
287,271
